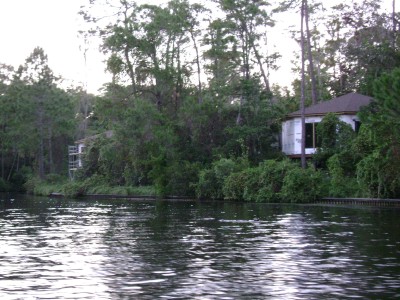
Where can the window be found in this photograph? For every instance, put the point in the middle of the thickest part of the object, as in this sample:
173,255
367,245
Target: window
311,136
357,125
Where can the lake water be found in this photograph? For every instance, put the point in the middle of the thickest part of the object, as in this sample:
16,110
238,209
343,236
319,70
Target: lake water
120,249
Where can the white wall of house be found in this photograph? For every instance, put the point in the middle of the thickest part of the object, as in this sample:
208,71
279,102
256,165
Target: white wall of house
349,119
81,148
291,133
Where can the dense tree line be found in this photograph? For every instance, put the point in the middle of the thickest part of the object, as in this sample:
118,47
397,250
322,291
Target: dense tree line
192,108
37,121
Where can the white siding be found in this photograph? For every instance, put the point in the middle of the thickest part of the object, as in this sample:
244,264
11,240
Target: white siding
349,119
81,149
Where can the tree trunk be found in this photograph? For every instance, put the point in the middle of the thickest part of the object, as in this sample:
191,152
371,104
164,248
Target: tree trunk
41,139
2,162
41,159
131,72
302,100
394,23
130,69
314,93
200,92
10,172
51,161
245,73
264,76
260,64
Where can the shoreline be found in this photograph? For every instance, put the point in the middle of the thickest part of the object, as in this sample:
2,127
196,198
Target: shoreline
325,200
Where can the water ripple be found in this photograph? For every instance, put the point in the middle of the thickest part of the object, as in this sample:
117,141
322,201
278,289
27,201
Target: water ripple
175,250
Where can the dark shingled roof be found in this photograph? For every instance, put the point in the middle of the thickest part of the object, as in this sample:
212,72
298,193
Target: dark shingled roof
345,105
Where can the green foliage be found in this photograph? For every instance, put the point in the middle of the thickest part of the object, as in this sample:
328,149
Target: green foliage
31,183
334,136
260,184
302,185
4,186
96,184
159,175
207,187
182,178
140,190
387,94
237,184
272,175
36,186
54,178
379,141
379,175
370,174
36,121
74,189
211,181
19,179
275,181
341,185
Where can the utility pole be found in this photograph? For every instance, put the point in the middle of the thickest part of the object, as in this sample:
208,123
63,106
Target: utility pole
302,99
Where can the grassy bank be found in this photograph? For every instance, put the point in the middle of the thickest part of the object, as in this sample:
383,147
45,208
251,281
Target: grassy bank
75,189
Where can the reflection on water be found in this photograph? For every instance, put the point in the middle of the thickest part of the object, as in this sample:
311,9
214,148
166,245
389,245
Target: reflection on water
60,249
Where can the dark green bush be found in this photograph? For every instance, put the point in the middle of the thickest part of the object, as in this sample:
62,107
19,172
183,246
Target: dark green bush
31,183
54,178
19,178
181,178
208,187
379,177
211,181
272,174
4,186
302,185
259,184
340,184
74,189
334,136
242,185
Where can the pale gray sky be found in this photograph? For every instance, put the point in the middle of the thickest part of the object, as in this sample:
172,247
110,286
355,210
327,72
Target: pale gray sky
52,25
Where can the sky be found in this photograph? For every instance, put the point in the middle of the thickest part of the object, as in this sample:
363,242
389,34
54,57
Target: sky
54,24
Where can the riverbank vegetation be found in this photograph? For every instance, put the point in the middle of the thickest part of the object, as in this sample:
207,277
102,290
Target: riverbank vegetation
193,113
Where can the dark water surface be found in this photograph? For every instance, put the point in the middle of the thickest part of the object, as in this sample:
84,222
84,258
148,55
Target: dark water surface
119,249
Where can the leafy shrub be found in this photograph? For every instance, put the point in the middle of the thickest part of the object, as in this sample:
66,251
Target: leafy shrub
272,173
159,176
334,136
379,176
19,179
140,190
241,185
260,184
244,185
31,184
340,185
253,185
4,186
302,185
211,181
182,177
74,189
54,178
208,187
